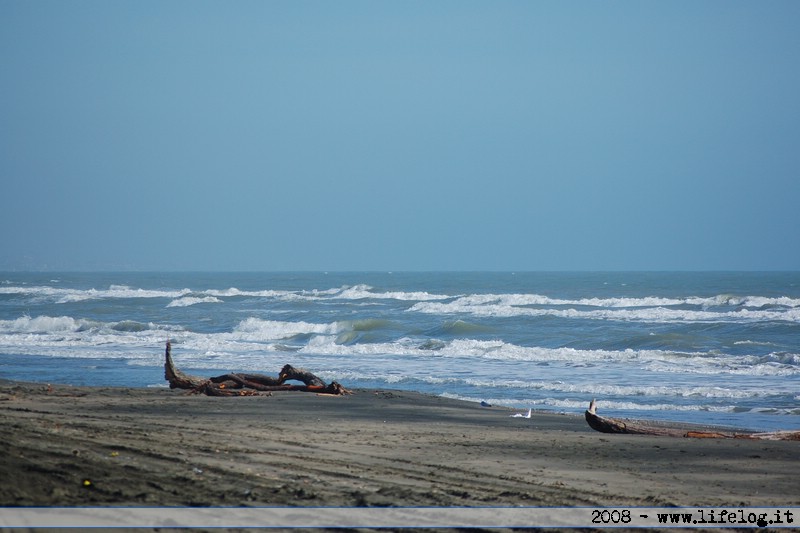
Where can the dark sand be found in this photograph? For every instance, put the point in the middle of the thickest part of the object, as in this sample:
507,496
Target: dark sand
71,446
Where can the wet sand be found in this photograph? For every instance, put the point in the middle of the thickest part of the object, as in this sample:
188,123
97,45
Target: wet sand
80,446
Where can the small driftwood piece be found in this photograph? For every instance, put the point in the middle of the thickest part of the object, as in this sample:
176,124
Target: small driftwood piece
615,425
247,384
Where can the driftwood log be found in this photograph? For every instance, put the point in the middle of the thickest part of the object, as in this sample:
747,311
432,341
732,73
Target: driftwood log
247,384
635,427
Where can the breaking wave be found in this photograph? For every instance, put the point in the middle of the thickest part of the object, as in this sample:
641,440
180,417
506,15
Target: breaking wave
51,329
476,336
501,307
343,338
186,301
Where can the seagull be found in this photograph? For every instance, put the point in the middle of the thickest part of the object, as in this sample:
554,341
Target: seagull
520,415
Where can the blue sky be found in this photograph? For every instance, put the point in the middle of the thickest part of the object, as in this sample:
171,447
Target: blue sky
400,135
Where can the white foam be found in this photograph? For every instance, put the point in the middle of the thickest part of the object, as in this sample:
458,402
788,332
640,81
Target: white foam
360,292
723,300
580,405
330,339
612,405
186,301
493,307
754,343
340,339
647,308
605,390
258,329
356,292
60,295
269,294
41,324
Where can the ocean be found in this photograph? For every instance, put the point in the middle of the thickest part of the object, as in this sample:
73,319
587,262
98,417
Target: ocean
709,347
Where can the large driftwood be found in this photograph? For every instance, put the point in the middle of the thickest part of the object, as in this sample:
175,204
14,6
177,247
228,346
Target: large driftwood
247,384
615,425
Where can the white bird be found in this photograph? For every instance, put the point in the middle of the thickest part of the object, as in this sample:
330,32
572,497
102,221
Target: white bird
520,415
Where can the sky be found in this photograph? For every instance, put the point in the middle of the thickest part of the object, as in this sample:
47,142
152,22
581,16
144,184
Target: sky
399,135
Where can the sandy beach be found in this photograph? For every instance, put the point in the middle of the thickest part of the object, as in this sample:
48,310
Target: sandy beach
78,446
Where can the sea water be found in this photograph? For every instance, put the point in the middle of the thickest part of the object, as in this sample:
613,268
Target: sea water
714,348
